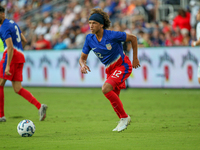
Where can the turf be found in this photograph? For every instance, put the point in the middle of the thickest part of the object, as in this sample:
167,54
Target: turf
83,119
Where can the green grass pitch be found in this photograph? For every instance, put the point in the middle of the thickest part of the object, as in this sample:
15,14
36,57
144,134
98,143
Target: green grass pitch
83,119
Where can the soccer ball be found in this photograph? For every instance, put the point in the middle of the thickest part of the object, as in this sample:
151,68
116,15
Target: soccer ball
26,128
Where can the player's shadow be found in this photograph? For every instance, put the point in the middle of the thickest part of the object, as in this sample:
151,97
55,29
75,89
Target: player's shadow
16,117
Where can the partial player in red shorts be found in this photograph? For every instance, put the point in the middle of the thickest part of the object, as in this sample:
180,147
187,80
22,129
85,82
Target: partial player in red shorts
15,71
107,46
11,65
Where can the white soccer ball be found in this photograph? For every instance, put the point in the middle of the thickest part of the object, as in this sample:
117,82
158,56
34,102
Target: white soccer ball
26,128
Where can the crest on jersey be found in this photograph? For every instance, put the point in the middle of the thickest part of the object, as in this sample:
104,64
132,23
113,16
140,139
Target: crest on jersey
108,46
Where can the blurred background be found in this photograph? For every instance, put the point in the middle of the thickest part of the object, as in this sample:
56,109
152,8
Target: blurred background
59,27
64,23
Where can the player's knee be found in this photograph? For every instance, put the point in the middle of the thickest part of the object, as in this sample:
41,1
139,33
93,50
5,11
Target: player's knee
2,82
16,89
106,88
199,80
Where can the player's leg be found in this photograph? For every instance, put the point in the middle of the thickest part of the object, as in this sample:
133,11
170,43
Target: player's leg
107,88
117,105
17,86
2,83
117,91
29,97
117,80
3,79
2,115
114,99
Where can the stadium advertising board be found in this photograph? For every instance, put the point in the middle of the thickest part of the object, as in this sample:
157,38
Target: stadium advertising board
174,67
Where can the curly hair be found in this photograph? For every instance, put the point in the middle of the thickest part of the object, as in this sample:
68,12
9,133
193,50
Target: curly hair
104,14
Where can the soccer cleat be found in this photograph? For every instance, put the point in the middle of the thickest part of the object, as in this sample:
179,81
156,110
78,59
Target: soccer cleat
3,119
123,123
115,129
42,112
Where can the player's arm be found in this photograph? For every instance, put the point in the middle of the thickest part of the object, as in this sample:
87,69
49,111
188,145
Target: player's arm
24,41
82,62
133,39
10,50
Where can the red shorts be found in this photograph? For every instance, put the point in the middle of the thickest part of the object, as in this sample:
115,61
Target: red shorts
16,70
118,72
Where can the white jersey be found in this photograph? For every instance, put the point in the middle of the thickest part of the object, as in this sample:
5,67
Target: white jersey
198,31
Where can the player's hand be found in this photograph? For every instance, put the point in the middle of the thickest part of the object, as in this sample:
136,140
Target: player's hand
136,63
7,70
84,69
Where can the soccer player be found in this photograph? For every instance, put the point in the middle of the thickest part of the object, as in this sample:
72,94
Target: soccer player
107,46
12,62
196,43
